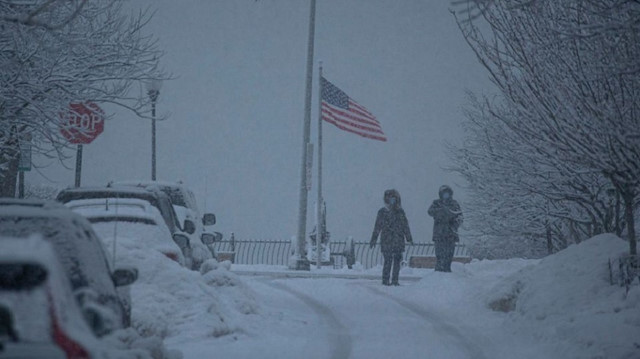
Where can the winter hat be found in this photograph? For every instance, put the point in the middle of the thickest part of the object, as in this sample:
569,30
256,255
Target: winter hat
444,189
392,193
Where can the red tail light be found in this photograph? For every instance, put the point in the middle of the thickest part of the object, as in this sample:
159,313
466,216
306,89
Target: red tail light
172,256
72,349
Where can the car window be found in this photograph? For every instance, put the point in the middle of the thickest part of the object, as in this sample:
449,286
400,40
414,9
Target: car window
192,199
130,219
68,196
54,231
81,255
175,195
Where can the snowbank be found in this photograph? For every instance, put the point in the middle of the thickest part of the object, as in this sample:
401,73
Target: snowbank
563,305
567,297
170,300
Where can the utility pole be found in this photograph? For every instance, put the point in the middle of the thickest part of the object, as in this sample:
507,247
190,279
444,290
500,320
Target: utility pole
320,229
302,263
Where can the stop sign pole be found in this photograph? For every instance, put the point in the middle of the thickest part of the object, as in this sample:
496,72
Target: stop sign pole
78,165
81,124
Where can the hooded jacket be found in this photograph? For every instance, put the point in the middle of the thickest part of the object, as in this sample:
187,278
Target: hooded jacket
447,217
392,226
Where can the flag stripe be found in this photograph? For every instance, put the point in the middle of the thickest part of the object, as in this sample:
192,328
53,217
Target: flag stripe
336,115
356,110
344,128
351,116
343,112
357,105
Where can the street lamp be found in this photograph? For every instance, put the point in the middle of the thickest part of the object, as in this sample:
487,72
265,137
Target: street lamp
153,90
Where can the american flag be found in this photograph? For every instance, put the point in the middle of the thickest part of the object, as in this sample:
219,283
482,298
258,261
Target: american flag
346,114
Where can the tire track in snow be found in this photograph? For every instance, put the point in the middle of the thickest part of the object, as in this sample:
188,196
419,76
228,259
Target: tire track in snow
338,335
474,351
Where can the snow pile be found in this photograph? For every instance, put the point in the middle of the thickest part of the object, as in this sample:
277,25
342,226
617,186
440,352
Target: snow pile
128,344
170,300
563,305
567,297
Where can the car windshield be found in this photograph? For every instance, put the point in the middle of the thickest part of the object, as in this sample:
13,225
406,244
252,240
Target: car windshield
68,196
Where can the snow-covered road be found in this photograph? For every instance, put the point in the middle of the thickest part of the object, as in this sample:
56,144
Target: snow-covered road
367,320
447,340
566,309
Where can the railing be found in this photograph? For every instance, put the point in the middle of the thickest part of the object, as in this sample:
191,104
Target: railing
277,252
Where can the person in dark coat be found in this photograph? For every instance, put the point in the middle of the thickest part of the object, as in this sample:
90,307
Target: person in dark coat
393,228
447,218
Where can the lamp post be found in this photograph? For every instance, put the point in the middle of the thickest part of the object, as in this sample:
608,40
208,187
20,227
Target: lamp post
153,90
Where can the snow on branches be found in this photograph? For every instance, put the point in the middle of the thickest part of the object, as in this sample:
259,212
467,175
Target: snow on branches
563,135
53,53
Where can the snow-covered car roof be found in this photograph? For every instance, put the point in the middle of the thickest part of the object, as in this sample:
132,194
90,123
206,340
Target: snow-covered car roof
148,182
116,208
179,193
157,199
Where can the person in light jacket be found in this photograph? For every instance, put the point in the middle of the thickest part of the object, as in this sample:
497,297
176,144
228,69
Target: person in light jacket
393,228
447,218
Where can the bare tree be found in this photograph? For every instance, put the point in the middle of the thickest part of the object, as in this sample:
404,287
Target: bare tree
520,193
53,53
567,72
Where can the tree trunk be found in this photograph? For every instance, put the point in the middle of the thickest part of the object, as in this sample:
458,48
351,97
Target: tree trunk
628,198
617,218
549,240
9,174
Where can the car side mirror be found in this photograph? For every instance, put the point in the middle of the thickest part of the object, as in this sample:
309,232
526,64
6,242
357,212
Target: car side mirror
181,240
189,227
208,238
124,276
209,219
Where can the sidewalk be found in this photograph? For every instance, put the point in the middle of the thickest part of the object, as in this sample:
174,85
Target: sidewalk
407,274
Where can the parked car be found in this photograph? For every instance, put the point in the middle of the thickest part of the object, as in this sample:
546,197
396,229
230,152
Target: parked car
39,316
186,207
195,252
81,254
128,223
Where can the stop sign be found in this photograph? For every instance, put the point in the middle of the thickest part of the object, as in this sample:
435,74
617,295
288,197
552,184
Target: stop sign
82,123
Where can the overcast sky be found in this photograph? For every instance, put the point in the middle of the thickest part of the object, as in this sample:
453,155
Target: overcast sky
235,111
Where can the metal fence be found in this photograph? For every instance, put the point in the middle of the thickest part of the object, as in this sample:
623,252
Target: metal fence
277,252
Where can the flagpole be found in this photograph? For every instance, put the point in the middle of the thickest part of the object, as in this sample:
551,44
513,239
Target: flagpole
302,263
319,225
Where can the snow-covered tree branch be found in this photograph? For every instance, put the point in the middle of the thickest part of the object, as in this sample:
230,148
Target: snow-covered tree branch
568,99
53,53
